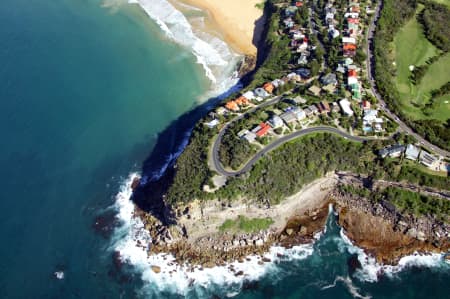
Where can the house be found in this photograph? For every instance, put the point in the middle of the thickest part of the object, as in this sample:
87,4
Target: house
365,105
308,112
412,152
212,123
335,107
303,59
393,151
277,83
348,40
354,15
268,87
346,107
276,122
352,80
352,73
290,11
427,159
315,90
353,20
334,33
300,114
288,117
303,72
264,129
324,107
372,121
288,22
299,100
329,79
314,109
242,133
260,92
250,137
242,101
232,106
250,95
221,111
330,88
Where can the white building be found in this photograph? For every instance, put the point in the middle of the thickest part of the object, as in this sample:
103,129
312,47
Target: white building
346,107
276,122
412,152
249,95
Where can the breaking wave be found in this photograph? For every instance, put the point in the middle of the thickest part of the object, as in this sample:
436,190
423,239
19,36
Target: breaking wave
131,239
371,270
218,61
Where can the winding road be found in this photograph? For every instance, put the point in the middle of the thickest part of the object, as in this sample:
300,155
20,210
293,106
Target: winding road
222,171
214,155
369,67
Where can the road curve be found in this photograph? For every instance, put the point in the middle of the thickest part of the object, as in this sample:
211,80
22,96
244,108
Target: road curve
219,168
369,67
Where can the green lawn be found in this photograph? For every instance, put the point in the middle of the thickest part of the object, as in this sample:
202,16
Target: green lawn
244,224
413,49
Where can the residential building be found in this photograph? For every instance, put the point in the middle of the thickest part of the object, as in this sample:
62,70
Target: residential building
276,121
242,133
314,109
250,137
393,151
304,73
365,105
260,92
315,90
346,107
329,79
412,152
250,95
324,107
427,159
264,129
288,117
212,123
232,106
268,87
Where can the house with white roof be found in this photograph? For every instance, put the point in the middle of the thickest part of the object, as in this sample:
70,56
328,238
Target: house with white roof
346,107
412,152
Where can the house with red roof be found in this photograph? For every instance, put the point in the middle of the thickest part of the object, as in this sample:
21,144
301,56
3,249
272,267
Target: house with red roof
264,129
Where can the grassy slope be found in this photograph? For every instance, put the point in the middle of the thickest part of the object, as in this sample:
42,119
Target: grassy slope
412,48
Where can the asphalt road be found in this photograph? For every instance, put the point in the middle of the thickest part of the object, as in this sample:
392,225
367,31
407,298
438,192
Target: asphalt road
219,168
402,126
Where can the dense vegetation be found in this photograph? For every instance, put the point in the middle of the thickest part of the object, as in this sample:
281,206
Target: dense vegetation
435,18
234,151
286,170
394,15
191,170
247,225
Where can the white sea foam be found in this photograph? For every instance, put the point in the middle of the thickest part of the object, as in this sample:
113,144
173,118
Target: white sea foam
211,52
178,278
371,270
349,285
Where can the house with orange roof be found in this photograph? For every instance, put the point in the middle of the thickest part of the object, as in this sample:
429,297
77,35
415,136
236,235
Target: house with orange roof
232,106
242,101
268,87
352,73
264,129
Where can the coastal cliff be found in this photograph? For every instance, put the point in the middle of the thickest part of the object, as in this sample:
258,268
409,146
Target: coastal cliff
379,228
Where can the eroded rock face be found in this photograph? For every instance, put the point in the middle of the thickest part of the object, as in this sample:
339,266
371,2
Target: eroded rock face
381,232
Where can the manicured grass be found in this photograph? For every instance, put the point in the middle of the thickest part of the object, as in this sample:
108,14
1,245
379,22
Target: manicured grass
412,48
244,224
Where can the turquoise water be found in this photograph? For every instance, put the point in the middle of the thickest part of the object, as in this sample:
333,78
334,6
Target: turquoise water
84,92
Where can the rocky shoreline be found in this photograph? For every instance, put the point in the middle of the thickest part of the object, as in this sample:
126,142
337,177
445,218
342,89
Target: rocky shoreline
378,228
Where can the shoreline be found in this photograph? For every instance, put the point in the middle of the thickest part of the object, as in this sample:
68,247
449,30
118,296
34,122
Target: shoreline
239,23
383,234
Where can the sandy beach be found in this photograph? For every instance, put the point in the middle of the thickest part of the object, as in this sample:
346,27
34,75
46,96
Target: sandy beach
236,20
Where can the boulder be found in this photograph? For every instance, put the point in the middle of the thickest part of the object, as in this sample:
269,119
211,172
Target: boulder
289,231
156,269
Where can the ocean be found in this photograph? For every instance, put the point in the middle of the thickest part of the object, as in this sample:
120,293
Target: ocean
93,92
